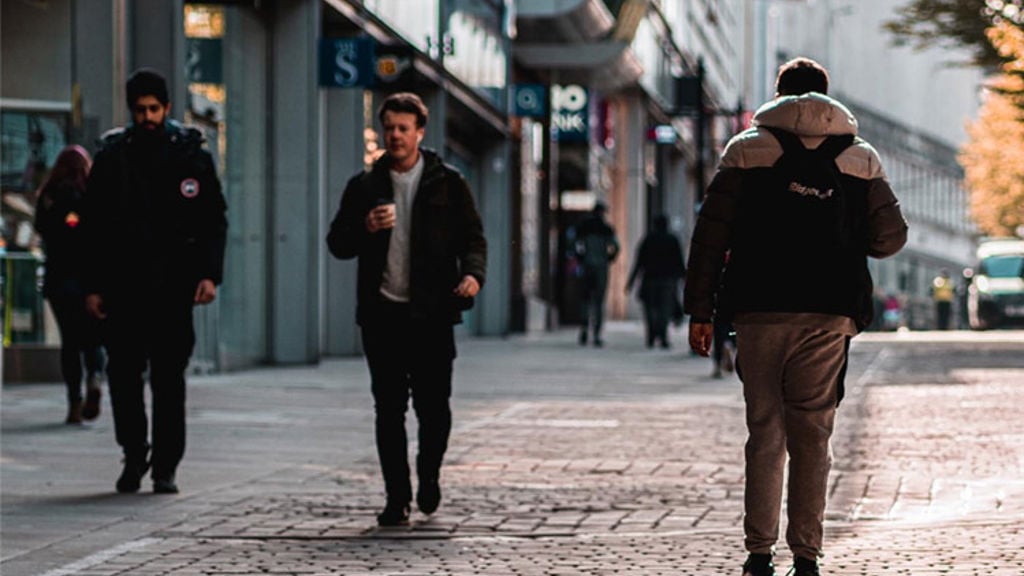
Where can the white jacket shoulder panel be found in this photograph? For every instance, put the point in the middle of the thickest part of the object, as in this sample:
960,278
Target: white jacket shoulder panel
751,148
861,161
755,148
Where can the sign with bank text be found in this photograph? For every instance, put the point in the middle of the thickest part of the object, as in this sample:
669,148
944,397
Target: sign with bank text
570,113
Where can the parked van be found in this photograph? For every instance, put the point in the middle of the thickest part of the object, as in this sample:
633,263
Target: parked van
995,297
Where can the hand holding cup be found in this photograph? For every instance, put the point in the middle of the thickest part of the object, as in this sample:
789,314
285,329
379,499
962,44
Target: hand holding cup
381,218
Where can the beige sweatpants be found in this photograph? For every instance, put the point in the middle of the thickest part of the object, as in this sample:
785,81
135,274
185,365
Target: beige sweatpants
790,375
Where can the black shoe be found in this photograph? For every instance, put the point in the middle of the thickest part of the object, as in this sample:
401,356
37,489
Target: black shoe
428,497
583,338
759,565
165,485
394,515
805,567
131,476
93,395
598,343
74,413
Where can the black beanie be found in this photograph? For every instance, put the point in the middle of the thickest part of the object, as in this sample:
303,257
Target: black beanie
146,82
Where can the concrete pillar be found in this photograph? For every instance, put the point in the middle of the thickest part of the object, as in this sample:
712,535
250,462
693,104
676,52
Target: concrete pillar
244,295
628,196
296,155
343,125
156,39
92,71
495,206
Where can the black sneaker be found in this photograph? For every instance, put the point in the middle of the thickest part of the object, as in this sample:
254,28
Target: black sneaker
165,484
805,567
428,496
759,565
583,338
93,396
394,515
131,476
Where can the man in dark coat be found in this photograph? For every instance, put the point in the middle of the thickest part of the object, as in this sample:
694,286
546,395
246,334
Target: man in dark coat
596,248
659,264
155,227
412,222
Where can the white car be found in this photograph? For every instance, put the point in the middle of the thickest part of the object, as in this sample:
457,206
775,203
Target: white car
995,296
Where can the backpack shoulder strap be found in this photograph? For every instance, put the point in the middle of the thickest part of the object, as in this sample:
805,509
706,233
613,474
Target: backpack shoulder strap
834,145
831,148
789,141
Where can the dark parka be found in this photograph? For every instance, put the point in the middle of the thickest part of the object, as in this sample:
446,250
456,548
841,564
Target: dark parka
777,264
58,219
447,239
154,218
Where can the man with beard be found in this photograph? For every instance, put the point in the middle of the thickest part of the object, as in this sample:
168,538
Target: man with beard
154,225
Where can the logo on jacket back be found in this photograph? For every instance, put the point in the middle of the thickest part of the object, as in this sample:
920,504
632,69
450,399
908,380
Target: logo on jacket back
802,190
189,187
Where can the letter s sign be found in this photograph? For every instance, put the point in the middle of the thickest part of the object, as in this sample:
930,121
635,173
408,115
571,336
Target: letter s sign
346,62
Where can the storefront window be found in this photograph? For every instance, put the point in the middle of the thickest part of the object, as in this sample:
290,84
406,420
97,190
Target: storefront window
204,69
477,54
29,144
417,21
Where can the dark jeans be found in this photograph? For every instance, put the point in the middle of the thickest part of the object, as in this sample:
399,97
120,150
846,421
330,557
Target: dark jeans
943,312
159,333
659,303
79,340
595,284
409,358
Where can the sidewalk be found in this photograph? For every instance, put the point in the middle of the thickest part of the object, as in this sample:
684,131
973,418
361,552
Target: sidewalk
564,460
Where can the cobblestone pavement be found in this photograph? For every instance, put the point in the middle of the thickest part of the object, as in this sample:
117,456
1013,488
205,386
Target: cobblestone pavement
929,477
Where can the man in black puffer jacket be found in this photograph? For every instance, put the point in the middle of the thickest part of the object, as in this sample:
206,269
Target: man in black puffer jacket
796,287
412,223
154,227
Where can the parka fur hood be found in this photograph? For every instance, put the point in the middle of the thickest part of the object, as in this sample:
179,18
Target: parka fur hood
813,117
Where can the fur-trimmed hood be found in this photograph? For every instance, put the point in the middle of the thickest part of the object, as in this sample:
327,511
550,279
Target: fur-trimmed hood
810,114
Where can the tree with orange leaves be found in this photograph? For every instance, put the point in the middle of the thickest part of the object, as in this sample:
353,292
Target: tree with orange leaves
992,158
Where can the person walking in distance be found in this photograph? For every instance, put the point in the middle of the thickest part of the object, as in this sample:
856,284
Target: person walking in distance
596,247
412,223
943,291
659,264
58,220
154,225
799,202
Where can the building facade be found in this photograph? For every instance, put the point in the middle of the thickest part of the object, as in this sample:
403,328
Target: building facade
271,85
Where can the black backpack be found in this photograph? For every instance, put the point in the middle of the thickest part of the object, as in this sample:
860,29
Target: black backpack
810,181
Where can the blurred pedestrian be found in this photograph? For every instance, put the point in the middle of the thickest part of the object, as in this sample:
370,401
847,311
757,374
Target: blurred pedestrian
412,223
155,227
596,248
723,347
659,264
800,203
58,218
892,313
942,294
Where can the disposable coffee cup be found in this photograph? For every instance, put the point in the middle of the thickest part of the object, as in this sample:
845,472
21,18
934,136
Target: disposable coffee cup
388,204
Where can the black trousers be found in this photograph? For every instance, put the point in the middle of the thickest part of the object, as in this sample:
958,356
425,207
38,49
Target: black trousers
157,334
79,340
409,358
943,312
659,299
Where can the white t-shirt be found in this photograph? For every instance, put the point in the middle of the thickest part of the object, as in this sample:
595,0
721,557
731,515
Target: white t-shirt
395,284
